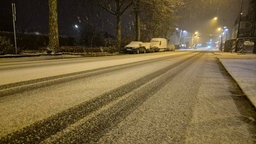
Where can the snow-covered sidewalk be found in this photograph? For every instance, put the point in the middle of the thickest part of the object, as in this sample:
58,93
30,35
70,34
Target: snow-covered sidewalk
244,73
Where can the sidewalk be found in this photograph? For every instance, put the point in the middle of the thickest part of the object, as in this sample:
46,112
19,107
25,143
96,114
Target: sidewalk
243,69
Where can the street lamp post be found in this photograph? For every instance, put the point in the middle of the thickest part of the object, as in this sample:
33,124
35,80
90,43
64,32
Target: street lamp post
14,27
76,28
225,31
221,42
180,36
223,36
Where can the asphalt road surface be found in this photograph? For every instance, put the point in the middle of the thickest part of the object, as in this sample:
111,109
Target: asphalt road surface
172,97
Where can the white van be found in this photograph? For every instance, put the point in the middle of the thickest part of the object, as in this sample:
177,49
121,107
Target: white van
158,44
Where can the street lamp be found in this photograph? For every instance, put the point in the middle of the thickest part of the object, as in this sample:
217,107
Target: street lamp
219,29
195,39
181,33
76,26
76,33
184,34
223,34
214,20
226,30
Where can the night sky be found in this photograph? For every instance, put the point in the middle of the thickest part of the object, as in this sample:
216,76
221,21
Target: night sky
32,16
197,18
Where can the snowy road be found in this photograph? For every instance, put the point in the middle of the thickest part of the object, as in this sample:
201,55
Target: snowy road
181,97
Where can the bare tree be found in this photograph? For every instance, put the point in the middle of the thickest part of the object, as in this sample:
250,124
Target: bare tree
116,8
158,17
53,26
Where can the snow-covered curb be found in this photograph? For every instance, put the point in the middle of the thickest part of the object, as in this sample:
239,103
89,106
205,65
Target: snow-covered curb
243,71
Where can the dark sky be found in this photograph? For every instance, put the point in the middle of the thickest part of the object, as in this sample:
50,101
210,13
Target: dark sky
32,15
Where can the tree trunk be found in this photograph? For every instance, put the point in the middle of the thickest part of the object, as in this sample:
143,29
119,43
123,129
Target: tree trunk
53,27
118,32
137,18
138,33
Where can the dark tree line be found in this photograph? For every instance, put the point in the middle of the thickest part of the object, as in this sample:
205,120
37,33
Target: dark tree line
154,17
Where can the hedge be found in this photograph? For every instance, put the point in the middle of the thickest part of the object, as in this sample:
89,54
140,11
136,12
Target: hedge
31,41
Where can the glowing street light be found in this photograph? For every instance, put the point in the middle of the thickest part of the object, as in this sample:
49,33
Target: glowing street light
76,29
182,34
223,36
213,23
219,29
76,26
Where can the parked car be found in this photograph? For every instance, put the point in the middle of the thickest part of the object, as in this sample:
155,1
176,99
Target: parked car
135,47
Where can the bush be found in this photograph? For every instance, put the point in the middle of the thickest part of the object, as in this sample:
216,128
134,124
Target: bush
5,46
100,42
80,49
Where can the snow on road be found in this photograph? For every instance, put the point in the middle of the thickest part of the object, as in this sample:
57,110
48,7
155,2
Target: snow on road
24,74
197,106
200,104
25,108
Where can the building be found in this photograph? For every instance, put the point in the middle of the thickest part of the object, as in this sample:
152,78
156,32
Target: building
245,24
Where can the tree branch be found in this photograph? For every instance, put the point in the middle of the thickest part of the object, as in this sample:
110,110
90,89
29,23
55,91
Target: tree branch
104,6
122,11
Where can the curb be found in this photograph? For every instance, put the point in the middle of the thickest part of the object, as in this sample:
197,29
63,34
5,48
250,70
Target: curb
18,56
237,84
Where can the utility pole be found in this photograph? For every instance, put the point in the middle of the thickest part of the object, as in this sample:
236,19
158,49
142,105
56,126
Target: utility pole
14,27
238,27
221,43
